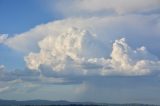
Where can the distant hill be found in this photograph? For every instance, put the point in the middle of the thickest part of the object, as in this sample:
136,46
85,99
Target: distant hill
40,102
60,103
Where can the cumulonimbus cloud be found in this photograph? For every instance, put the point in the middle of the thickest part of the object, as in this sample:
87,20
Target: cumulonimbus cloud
95,45
80,52
86,46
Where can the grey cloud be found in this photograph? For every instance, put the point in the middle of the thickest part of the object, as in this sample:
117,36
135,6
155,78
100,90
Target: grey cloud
107,7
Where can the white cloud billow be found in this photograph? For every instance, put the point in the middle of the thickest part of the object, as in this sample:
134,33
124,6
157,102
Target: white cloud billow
78,47
126,61
69,48
80,52
83,47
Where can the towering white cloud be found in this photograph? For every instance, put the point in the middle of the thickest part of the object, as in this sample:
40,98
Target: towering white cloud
92,46
66,51
80,52
126,61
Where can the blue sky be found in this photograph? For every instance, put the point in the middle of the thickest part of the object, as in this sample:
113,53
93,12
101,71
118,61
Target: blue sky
101,51
19,16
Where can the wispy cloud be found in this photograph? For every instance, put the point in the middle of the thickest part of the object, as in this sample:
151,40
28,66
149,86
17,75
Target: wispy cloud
3,38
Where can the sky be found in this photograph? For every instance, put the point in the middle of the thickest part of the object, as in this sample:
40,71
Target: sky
80,50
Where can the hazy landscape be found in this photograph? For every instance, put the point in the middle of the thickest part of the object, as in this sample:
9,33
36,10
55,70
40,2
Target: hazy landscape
62,103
